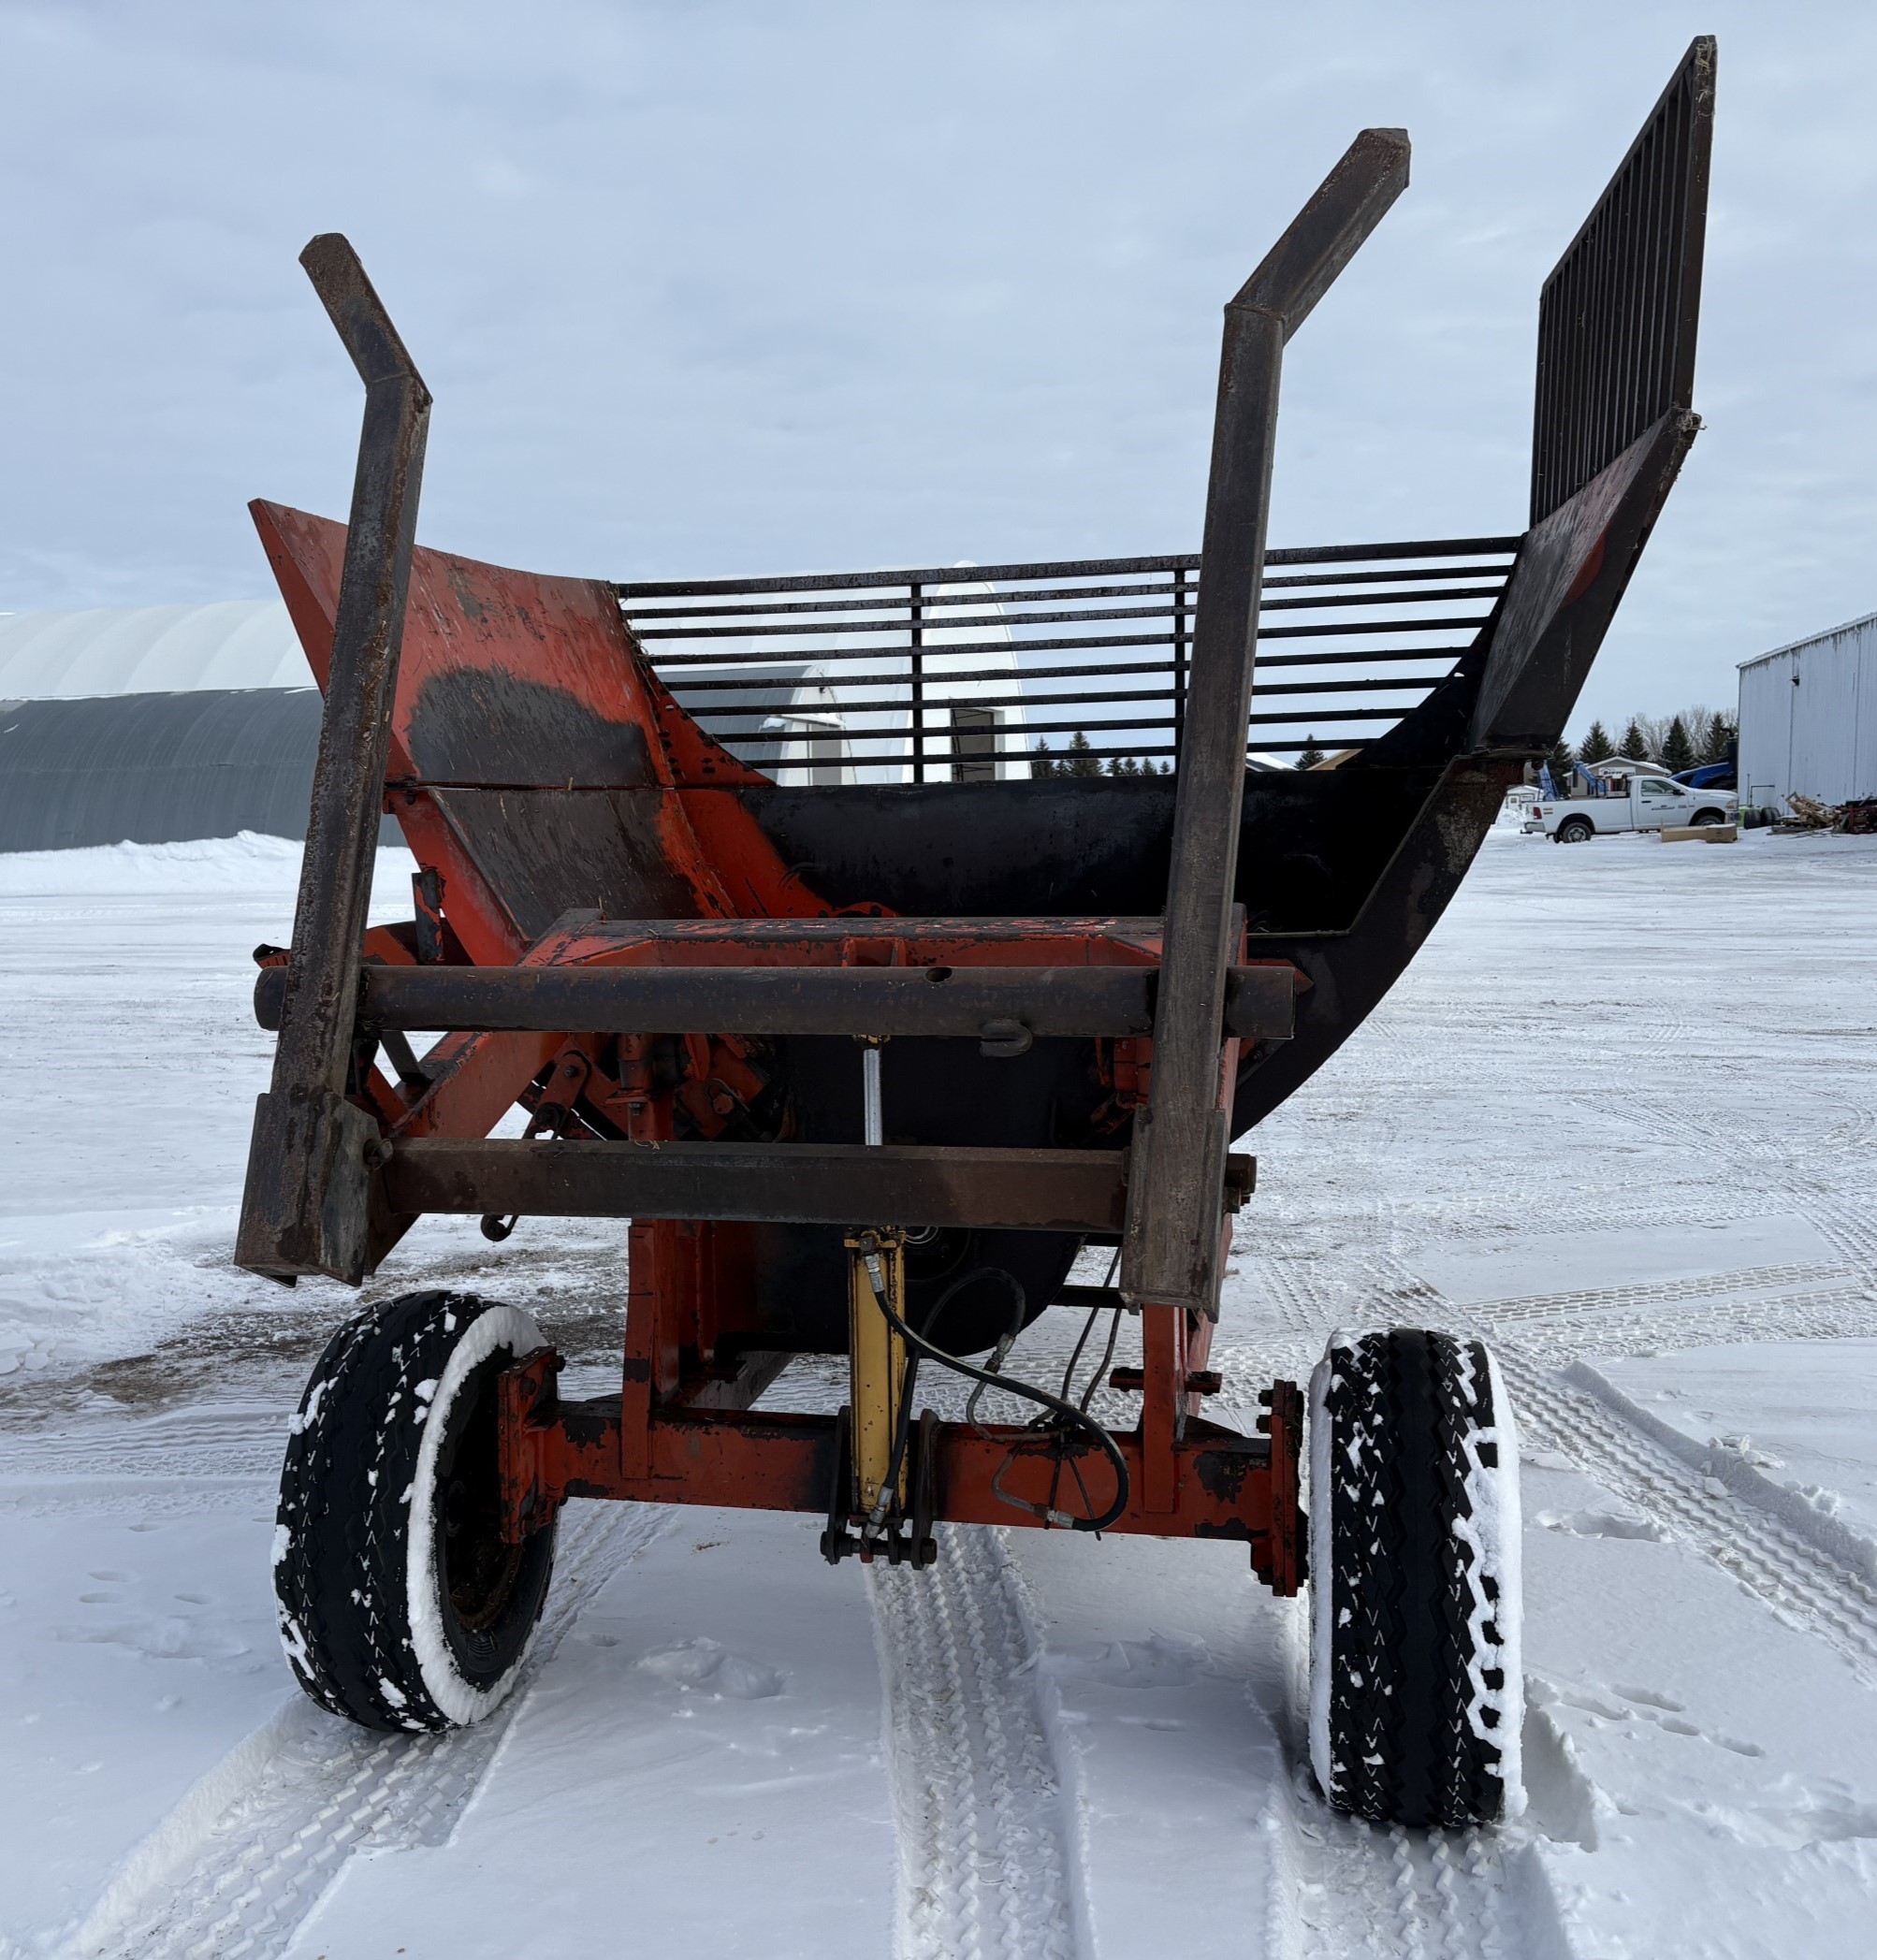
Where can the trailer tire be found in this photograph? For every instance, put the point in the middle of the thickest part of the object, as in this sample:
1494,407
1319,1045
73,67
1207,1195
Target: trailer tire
400,1606
1575,830
1415,1695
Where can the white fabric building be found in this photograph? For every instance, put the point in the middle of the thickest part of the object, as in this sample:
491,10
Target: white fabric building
1809,717
153,724
150,649
164,722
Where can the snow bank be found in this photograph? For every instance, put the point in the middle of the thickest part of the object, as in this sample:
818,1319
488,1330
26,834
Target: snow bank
90,1286
246,861
204,864
132,963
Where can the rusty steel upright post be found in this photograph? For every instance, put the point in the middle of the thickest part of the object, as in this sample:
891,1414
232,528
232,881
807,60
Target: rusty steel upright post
1171,1248
311,1162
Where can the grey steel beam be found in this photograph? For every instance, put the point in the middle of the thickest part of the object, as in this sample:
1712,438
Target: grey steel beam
953,1001
303,1209
1170,1245
800,1183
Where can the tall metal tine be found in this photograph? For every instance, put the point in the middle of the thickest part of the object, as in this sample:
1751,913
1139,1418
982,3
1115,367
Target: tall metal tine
1171,1246
303,1209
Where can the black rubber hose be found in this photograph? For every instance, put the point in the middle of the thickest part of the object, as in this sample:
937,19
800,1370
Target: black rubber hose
1043,1398
904,1430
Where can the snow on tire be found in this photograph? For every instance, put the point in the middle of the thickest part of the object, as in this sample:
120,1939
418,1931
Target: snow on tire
400,1605
1415,1695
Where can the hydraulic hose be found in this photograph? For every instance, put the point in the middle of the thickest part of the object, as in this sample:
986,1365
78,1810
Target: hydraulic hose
1066,1410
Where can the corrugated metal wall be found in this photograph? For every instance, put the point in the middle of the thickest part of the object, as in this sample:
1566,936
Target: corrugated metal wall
1808,719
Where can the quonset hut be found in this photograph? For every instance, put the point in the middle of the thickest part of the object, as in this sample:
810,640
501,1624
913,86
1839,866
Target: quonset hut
158,724
152,724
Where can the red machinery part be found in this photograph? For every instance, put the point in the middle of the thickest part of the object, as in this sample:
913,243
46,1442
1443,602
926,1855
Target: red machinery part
1214,1482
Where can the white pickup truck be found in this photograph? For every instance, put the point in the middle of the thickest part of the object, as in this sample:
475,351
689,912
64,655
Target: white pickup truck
1650,803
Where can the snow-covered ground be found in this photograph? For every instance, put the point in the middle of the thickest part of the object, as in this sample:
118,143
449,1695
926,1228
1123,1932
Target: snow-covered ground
1620,1117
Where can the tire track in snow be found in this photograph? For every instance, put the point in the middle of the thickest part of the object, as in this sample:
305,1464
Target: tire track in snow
989,1855
1511,1205
1798,1170
234,1880
1817,1302
1371,1891
1803,1584
1647,1293
1846,1313
231,1442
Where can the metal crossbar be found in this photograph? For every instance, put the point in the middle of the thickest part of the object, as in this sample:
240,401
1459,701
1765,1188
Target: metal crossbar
899,676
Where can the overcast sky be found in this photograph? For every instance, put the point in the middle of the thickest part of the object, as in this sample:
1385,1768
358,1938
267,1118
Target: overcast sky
733,288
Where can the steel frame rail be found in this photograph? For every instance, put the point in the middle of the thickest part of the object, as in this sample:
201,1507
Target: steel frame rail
1224,1485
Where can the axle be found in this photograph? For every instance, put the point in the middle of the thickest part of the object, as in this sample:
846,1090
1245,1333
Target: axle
1216,1482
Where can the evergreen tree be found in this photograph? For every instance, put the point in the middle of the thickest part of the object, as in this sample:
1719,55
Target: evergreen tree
1634,743
1041,761
1559,762
1079,761
1595,746
1720,742
1122,765
1311,756
1677,751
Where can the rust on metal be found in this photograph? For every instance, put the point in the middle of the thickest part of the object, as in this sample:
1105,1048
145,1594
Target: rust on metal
641,920
305,1206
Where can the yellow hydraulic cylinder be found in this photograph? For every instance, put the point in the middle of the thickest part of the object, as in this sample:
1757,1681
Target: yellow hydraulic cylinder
877,1363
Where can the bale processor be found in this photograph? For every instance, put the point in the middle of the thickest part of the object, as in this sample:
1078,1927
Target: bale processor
752,895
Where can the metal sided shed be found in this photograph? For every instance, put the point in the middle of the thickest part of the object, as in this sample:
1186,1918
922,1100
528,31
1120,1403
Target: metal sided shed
1809,717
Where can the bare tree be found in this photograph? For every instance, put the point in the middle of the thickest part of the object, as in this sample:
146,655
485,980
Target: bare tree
1697,723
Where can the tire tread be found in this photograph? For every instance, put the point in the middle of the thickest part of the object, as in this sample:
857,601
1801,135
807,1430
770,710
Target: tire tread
1402,1407
341,1573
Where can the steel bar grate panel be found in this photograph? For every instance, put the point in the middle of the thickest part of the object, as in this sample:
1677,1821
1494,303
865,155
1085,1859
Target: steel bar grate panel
820,677
1617,317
